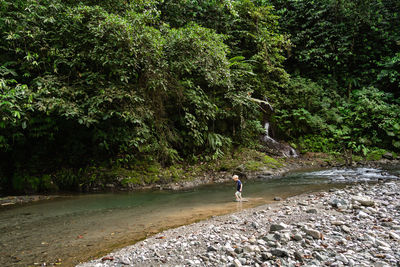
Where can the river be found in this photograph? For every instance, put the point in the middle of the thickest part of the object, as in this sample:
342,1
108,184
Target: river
77,228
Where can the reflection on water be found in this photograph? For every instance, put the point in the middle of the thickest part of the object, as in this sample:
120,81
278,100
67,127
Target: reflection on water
239,206
81,227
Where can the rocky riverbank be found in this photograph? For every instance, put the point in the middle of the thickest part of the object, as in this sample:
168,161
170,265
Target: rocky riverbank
355,226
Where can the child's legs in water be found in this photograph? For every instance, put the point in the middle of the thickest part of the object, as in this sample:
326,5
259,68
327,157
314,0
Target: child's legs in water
238,195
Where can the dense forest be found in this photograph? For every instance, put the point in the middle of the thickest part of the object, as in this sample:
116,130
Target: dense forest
101,83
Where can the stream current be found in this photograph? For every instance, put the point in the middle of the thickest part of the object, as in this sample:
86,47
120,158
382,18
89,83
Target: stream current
77,228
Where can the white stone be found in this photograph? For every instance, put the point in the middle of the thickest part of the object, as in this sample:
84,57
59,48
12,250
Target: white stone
394,236
365,201
362,214
342,258
314,233
382,243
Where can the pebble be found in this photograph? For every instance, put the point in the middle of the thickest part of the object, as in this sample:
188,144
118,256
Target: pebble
314,233
297,237
314,211
298,256
277,227
346,229
394,236
279,252
237,263
365,201
342,258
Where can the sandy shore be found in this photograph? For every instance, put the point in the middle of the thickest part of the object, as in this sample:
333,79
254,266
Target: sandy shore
355,226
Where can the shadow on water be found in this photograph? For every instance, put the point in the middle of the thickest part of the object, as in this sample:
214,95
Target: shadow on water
78,228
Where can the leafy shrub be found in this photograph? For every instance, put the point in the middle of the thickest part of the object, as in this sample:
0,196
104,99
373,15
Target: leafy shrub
375,154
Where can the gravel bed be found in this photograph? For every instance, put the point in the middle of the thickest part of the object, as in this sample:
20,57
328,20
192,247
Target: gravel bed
355,226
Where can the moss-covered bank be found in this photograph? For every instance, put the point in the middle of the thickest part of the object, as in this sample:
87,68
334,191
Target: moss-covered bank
247,163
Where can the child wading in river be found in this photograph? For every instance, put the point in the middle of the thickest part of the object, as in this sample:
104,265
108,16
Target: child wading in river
239,187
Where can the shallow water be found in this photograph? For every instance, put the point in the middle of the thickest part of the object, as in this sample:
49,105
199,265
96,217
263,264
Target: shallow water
82,227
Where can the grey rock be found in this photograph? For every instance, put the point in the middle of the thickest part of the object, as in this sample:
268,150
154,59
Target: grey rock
298,256
237,263
235,218
255,225
337,223
297,237
314,233
313,211
388,155
319,256
302,203
239,250
384,248
252,239
315,263
342,258
381,264
336,202
382,243
243,260
251,248
266,256
211,248
285,237
365,201
261,242
395,227
269,237
394,236
280,252
362,214
278,236
345,229
277,227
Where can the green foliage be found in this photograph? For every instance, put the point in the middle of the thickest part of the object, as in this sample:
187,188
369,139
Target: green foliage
348,50
317,143
121,83
306,107
271,162
30,184
197,58
253,165
375,154
340,40
261,163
